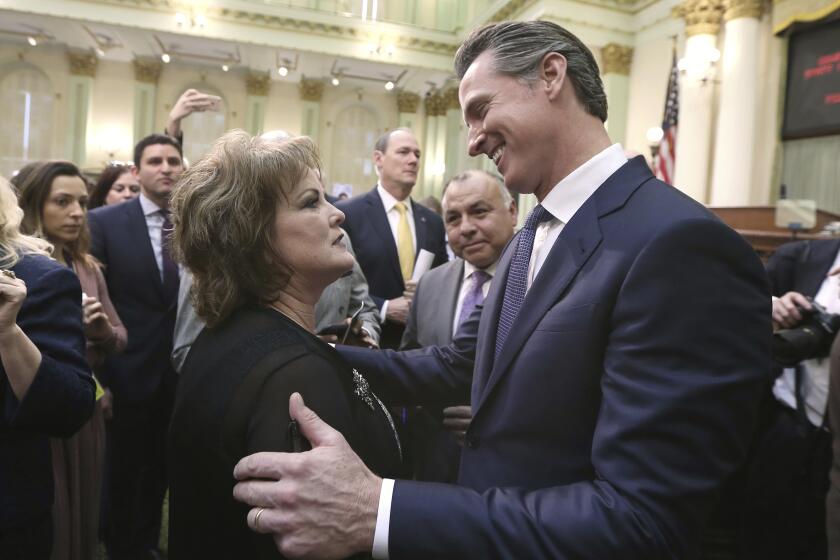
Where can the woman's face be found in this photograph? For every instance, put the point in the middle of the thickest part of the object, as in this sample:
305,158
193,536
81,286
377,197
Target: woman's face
124,188
63,216
307,236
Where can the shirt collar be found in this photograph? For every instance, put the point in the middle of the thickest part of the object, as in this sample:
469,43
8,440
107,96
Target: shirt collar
149,207
470,268
567,196
389,201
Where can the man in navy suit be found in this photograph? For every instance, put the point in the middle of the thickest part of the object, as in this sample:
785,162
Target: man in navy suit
130,240
614,372
373,221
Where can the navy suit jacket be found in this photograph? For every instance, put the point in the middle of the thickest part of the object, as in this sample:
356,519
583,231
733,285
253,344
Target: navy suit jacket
625,393
60,399
801,266
120,240
367,225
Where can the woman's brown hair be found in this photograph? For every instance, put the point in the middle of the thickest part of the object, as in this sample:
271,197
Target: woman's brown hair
223,211
33,192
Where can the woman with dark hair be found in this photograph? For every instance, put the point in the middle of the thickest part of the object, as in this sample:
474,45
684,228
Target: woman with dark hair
116,184
253,226
54,202
45,385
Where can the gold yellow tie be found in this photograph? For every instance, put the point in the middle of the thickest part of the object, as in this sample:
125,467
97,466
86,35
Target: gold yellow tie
405,245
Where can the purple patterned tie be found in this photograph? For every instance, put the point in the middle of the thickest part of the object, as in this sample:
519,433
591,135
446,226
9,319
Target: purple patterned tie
517,279
171,278
474,297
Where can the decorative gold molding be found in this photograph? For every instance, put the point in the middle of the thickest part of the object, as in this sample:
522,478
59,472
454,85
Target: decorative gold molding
617,58
450,99
783,18
407,102
702,17
291,24
82,64
735,9
435,105
311,89
147,70
507,11
258,83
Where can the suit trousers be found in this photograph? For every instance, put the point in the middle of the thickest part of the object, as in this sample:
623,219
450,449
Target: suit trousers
136,476
32,541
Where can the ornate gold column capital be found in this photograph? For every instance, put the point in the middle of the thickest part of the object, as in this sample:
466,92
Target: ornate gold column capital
311,89
702,17
407,102
257,83
617,58
450,99
735,9
82,64
147,70
435,105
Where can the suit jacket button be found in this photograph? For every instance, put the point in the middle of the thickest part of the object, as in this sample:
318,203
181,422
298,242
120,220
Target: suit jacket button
473,442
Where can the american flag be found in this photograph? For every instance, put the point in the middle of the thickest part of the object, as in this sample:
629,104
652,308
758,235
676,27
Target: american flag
668,146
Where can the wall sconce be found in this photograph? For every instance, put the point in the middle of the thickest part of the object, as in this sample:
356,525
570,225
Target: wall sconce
699,65
284,65
654,137
378,48
103,43
193,20
33,35
226,60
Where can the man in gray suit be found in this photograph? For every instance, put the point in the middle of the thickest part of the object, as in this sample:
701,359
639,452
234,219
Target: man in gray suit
479,215
339,301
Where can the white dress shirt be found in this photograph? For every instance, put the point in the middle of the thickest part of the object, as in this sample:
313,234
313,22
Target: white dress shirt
466,286
393,215
815,372
563,201
154,225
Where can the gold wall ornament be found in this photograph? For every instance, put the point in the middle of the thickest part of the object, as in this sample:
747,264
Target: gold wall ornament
147,70
258,83
82,64
407,102
735,9
616,58
435,105
702,17
311,89
450,99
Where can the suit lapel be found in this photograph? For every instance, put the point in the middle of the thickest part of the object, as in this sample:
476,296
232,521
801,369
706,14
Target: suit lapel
449,297
573,248
379,221
420,228
139,233
824,254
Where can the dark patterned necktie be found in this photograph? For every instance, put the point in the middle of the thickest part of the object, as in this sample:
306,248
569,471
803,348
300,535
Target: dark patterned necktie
517,279
474,297
170,269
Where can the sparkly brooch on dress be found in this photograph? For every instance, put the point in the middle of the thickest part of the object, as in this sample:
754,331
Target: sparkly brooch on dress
362,389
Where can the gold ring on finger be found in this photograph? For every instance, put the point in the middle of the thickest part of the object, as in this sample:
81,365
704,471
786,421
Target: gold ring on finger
8,274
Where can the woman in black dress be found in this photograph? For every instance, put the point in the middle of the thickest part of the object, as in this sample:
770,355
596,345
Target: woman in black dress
252,225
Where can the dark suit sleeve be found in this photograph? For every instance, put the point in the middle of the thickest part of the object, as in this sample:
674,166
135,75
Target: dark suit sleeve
684,364
437,375
61,397
782,265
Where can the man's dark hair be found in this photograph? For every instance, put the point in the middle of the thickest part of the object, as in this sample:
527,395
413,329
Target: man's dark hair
382,142
151,140
518,47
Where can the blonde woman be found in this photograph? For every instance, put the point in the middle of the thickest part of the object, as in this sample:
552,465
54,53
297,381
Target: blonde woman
45,385
54,200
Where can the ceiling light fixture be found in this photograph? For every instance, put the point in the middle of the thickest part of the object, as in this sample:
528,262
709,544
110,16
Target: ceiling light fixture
389,85
283,71
335,81
225,67
165,58
32,41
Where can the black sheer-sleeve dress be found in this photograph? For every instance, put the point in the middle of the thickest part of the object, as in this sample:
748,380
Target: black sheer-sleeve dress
233,400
